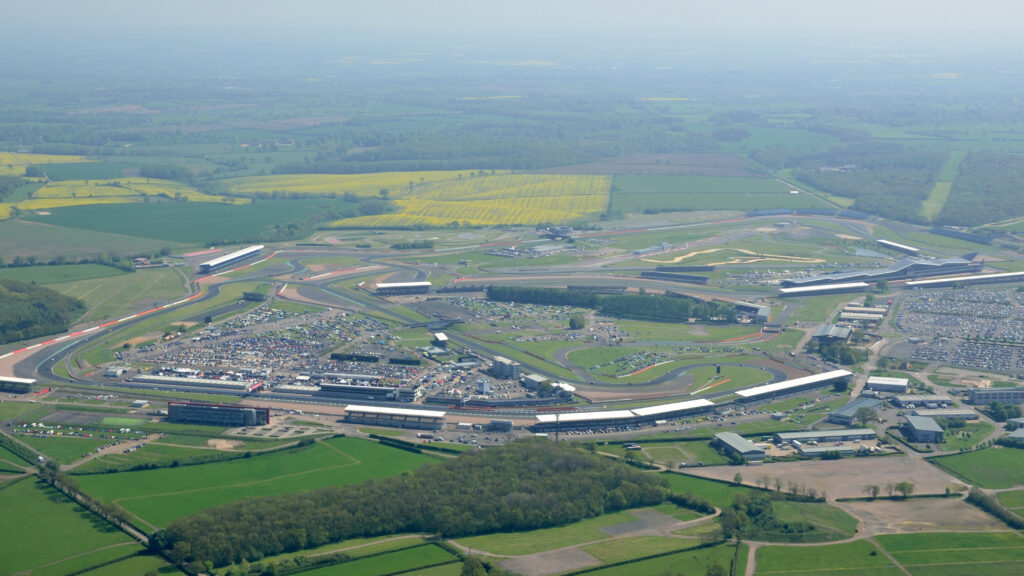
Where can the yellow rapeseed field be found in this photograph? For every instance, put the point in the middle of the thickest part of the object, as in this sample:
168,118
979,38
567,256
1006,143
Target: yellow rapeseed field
5,211
14,163
117,191
397,183
521,199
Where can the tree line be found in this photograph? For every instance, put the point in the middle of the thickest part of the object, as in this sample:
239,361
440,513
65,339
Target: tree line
29,311
524,485
650,307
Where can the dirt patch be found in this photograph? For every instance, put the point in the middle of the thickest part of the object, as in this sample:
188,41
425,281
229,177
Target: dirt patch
184,324
147,337
845,478
646,520
222,444
920,515
847,237
554,562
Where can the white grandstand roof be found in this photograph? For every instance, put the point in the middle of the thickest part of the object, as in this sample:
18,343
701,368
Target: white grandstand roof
441,336
403,284
860,316
13,380
395,411
898,246
675,407
823,288
584,416
227,257
795,383
887,380
981,277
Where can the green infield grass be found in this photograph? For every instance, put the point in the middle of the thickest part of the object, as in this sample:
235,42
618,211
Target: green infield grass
42,527
115,296
158,496
995,467
1014,500
122,422
859,557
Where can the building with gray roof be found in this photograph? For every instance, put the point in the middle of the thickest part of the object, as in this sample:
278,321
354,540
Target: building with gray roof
902,269
847,435
736,444
844,415
922,429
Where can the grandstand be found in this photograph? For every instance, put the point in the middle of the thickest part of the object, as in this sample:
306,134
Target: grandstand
789,386
824,289
229,259
16,385
174,381
217,414
903,269
968,280
402,288
900,247
395,417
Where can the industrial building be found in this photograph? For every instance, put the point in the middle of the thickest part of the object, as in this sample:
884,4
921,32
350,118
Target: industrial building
505,368
903,269
172,381
847,435
922,429
887,384
949,413
402,288
818,451
832,333
735,444
1001,395
790,386
922,400
844,416
229,415
395,417
229,259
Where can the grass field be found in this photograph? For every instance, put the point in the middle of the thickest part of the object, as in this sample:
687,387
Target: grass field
159,496
957,553
684,562
116,296
1014,500
517,543
995,467
626,548
37,239
972,434
189,222
57,274
859,558
396,562
830,522
514,199
639,193
62,449
820,308
34,513
396,183
717,493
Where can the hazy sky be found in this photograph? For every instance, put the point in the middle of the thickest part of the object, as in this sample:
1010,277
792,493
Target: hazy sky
524,16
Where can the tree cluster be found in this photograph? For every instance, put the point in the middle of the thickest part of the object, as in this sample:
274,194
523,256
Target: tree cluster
1002,412
753,517
8,184
651,307
524,485
990,504
986,189
29,311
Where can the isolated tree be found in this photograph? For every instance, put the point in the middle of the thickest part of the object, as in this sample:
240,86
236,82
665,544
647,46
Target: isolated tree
905,488
864,415
577,322
738,478
778,484
890,487
764,480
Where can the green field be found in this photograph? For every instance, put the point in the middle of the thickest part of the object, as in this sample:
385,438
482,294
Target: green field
64,449
57,274
719,494
188,222
627,548
34,513
119,295
995,467
830,523
396,562
859,558
972,434
631,193
517,543
685,562
122,422
957,553
820,308
1014,500
36,239
158,496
